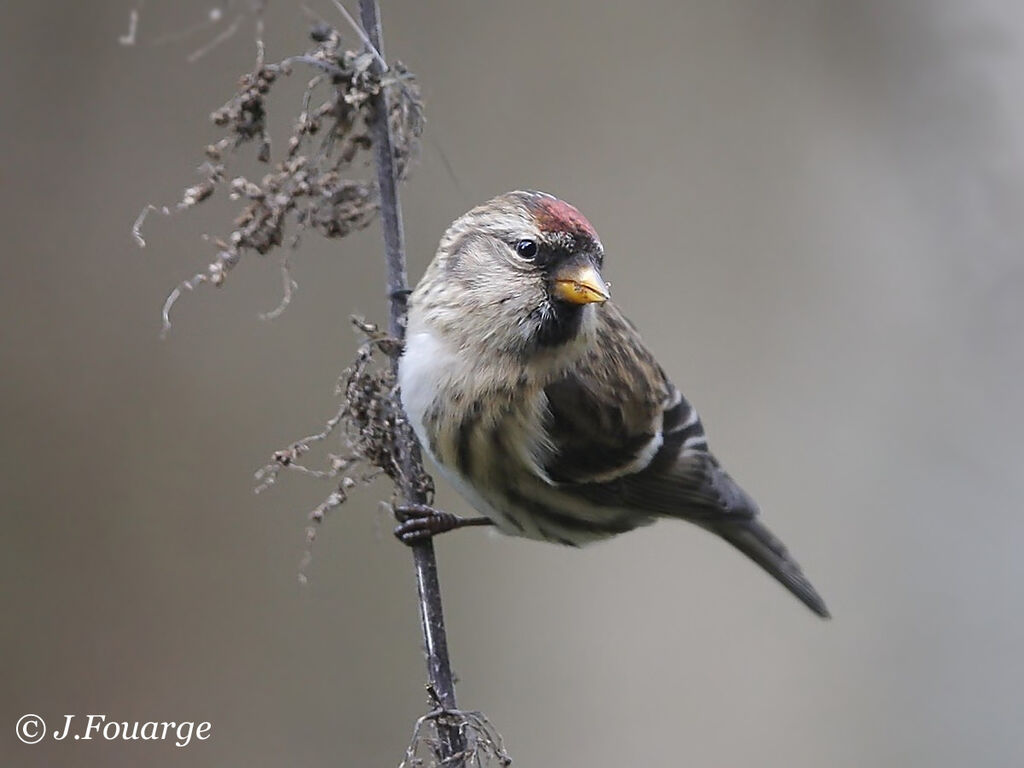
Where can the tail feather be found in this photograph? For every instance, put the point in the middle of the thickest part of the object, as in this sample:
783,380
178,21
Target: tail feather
752,538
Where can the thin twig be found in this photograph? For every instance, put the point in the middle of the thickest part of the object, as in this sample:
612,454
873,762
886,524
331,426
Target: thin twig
222,36
453,742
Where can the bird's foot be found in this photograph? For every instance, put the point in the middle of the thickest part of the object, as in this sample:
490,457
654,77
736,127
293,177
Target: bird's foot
417,522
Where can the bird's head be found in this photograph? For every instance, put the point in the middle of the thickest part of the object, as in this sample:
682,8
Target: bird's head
522,271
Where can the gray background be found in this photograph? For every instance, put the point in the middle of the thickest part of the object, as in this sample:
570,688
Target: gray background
811,209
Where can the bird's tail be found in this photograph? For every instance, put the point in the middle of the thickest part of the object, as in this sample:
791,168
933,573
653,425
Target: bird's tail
752,538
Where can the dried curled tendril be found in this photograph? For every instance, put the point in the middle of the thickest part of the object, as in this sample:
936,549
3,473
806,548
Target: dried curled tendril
310,186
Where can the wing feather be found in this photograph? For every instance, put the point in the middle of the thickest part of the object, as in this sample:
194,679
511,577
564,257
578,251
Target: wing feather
605,417
622,435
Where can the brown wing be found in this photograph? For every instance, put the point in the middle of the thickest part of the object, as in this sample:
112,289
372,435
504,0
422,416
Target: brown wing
624,437
605,417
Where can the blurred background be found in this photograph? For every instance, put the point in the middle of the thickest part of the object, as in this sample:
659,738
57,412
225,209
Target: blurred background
811,209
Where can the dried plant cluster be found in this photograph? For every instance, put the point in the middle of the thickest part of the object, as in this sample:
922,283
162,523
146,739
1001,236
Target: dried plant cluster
312,185
484,745
374,433
372,430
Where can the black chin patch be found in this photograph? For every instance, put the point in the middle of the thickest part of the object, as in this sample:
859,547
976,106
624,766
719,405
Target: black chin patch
559,322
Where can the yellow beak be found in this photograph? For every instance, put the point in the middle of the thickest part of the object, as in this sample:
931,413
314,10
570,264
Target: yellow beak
580,284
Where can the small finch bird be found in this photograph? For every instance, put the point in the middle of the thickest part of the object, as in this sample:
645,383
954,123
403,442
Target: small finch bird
538,400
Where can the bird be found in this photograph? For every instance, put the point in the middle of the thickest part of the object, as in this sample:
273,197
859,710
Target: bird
538,401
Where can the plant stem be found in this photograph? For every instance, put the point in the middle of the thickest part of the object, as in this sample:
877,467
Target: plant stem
439,670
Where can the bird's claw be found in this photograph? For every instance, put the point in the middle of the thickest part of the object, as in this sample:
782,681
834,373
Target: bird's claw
418,522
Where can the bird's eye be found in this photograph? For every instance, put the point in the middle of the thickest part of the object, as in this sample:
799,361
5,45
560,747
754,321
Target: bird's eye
527,249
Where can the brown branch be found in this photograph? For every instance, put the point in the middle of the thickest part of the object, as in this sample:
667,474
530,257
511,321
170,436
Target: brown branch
439,672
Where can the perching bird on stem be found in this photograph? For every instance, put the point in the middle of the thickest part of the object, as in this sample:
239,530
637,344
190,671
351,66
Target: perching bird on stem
538,400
